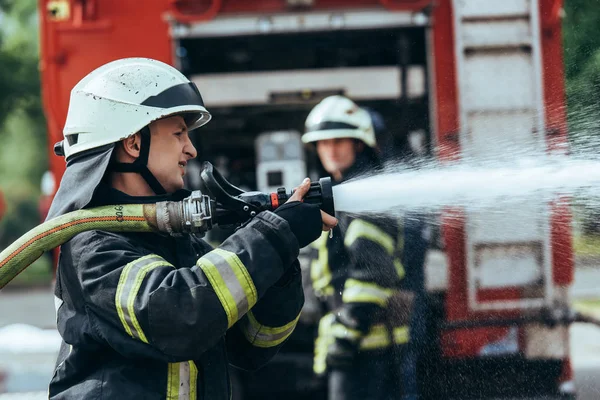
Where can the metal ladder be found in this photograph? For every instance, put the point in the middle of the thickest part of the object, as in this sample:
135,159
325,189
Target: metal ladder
498,58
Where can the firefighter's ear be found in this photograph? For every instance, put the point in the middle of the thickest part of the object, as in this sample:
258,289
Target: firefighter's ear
131,146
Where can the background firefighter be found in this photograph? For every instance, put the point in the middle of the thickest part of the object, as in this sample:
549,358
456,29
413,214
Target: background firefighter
152,316
359,273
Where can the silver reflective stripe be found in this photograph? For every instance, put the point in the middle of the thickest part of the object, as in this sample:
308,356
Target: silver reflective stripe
229,277
365,292
273,337
264,336
365,295
184,381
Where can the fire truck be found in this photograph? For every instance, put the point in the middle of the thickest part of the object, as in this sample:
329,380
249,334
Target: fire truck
460,78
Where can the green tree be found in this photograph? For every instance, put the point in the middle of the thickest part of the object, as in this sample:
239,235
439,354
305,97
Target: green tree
581,34
581,39
23,155
19,49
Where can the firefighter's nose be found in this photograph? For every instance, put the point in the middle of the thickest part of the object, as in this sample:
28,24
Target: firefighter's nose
190,149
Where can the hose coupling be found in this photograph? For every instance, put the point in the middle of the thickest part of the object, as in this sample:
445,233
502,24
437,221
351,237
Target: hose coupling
194,214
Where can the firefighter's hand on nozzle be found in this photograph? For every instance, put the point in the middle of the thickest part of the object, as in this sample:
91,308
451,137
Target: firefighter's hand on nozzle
329,221
305,220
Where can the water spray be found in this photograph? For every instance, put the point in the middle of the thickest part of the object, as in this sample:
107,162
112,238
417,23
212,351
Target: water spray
471,185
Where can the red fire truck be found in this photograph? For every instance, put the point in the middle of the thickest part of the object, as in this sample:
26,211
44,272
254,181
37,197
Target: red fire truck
467,78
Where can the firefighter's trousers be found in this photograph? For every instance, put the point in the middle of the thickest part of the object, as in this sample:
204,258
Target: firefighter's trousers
375,375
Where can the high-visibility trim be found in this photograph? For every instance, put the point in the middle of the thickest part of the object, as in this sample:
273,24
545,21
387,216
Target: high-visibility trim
264,336
182,381
128,287
173,381
193,381
320,274
359,229
356,291
399,268
379,337
322,343
401,335
231,282
340,331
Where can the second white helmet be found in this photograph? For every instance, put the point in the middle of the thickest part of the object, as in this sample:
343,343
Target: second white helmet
120,98
339,117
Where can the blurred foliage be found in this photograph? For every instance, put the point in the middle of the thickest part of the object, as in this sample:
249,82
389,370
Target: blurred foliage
580,33
23,155
581,39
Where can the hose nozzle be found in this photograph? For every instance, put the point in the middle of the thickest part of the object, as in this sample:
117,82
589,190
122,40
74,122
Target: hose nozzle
320,193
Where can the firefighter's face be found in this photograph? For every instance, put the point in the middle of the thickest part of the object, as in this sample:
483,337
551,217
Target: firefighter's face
170,150
337,155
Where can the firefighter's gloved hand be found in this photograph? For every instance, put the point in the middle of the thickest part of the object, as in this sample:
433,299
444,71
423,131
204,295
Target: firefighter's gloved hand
304,220
342,353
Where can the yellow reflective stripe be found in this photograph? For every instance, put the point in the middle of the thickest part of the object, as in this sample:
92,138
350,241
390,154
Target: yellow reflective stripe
193,380
320,274
322,343
343,332
399,268
120,286
401,335
131,301
231,282
173,381
264,336
356,291
379,337
362,229
130,282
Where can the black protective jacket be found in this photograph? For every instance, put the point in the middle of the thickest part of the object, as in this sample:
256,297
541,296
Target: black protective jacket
149,316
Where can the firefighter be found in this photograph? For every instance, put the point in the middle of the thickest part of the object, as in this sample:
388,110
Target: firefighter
152,316
357,273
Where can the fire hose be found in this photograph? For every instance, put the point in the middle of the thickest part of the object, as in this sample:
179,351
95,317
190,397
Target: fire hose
217,202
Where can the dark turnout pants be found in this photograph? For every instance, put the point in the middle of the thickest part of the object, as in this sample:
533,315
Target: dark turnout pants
375,375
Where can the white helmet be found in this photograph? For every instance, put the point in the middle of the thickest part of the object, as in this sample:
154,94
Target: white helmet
339,117
120,98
